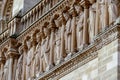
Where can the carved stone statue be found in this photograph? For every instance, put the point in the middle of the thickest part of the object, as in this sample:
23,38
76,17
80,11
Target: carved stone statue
80,23
68,31
29,58
92,19
102,13
42,58
47,47
34,55
113,10
38,64
74,31
104,17
57,47
19,68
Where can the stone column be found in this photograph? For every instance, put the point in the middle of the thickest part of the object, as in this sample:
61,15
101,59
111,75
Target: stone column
2,25
85,4
14,27
15,65
74,38
2,62
34,14
37,14
11,27
24,62
15,24
27,21
12,54
10,69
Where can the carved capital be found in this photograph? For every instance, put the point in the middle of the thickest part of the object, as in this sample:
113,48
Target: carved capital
12,54
13,48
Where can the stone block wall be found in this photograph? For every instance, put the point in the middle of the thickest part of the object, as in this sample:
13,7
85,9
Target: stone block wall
104,67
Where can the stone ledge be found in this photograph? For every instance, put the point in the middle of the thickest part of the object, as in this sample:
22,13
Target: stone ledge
80,58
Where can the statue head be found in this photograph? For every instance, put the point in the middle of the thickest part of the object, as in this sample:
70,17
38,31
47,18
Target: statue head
79,8
28,42
38,37
92,1
46,31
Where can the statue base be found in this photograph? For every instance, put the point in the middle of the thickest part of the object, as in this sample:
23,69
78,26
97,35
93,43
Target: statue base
38,74
83,46
117,22
49,67
59,61
68,56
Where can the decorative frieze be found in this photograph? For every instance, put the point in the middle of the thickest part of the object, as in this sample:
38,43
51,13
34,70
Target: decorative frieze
55,42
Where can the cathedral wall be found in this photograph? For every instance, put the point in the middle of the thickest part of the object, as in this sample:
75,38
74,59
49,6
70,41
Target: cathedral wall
61,40
104,67
17,6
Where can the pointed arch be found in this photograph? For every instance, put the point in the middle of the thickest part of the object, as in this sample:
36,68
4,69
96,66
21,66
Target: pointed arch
7,9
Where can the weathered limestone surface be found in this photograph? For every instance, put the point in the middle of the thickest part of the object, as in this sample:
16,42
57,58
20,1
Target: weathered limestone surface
104,67
60,40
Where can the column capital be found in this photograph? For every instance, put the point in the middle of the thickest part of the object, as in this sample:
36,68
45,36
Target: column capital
85,4
13,54
13,48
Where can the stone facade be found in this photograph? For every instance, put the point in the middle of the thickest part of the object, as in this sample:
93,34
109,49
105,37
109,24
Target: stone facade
103,67
60,40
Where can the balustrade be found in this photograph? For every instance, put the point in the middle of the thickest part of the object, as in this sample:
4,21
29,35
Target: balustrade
38,11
